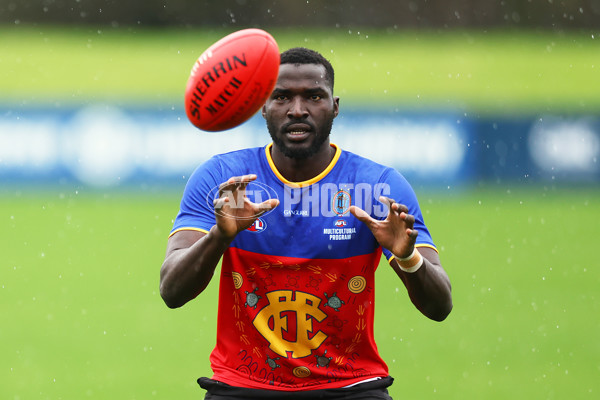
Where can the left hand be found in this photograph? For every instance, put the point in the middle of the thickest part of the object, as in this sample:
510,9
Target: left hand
234,212
395,232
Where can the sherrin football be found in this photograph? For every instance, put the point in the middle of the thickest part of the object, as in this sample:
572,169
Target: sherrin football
231,80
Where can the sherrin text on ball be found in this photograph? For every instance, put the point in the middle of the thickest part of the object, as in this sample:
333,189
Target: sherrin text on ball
231,80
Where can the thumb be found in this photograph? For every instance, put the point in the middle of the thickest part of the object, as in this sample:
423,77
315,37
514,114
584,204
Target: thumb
360,214
268,205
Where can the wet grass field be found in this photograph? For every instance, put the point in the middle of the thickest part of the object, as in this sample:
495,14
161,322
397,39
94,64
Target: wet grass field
82,317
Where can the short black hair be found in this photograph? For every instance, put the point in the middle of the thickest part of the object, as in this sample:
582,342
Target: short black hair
302,55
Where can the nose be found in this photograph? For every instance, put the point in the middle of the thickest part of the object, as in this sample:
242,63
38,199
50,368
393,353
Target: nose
297,108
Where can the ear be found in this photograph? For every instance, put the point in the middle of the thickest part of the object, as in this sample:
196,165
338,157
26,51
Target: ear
264,111
336,106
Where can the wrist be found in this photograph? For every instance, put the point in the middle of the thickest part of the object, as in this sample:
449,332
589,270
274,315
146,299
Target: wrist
411,263
217,235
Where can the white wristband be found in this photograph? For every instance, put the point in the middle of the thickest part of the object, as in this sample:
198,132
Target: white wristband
411,263
409,257
412,269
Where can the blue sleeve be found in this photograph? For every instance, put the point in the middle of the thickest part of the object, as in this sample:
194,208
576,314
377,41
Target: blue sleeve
402,192
196,211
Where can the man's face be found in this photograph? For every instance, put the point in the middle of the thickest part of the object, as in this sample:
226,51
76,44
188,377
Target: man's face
300,111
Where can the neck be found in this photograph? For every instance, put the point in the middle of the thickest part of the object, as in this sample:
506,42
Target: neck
300,170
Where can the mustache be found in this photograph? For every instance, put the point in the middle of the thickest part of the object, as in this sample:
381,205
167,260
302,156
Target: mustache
298,121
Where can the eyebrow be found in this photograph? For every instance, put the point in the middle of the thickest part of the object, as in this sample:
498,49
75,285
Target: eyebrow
315,90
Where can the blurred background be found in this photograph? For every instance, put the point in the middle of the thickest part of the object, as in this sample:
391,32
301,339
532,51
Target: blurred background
491,109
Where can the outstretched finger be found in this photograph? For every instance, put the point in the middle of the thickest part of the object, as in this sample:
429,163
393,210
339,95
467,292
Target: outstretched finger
220,203
236,183
395,209
228,187
267,205
401,208
245,180
387,201
360,214
409,219
412,234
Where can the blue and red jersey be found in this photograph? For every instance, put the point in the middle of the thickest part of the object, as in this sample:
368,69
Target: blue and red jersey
297,295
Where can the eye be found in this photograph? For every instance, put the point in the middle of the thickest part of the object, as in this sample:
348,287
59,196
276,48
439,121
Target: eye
280,97
316,97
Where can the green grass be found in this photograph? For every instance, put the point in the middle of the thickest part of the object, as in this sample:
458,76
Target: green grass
472,71
82,318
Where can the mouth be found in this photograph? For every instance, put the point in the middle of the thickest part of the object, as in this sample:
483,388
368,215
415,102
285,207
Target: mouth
298,132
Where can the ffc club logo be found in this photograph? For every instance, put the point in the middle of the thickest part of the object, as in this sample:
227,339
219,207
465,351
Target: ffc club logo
273,322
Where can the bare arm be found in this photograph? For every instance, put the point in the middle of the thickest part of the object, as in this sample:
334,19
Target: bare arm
192,256
189,265
429,286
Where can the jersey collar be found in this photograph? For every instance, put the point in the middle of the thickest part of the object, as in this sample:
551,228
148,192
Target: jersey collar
309,182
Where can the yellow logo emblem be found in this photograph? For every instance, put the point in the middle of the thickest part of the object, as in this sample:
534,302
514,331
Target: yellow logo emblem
273,322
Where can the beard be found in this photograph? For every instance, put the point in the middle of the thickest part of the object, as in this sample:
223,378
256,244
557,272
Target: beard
300,154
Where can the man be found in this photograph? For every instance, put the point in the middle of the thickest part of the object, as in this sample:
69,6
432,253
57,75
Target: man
300,226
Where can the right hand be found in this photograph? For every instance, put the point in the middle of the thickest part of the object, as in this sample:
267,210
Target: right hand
396,232
234,212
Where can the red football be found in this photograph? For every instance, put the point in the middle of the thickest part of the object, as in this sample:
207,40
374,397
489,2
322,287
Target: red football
232,80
